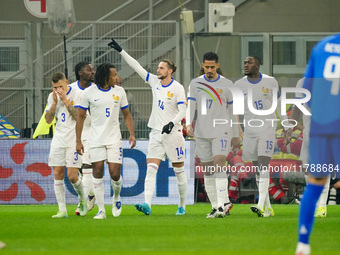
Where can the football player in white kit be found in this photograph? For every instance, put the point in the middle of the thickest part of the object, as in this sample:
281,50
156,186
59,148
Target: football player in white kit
209,94
321,205
105,100
84,72
60,104
259,135
168,109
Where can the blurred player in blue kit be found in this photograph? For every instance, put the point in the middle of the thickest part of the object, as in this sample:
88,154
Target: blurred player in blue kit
322,79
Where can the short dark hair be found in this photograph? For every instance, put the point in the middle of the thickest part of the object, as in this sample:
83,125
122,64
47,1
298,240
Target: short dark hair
171,64
102,74
256,58
219,71
58,76
78,68
212,56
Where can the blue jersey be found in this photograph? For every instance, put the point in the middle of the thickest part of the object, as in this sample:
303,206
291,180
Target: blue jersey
323,81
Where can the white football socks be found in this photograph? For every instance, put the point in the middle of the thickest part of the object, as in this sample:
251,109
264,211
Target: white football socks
263,187
98,188
150,182
78,187
182,184
210,188
221,188
117,187
322,201
59,190
87,181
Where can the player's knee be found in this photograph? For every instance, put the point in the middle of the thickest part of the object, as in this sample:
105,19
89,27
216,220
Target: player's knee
73,177
115,176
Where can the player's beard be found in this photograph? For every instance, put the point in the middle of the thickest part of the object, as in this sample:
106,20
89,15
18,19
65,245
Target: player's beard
162,77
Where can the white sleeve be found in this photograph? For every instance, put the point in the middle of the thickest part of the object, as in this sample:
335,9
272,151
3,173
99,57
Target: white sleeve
181,113
133,63
124,102
84,102
190,113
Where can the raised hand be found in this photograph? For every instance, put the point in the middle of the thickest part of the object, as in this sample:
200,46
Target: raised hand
115,45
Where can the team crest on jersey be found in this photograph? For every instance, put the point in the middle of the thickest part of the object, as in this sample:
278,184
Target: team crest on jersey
265,90
116,98
170,95
71,102
219,91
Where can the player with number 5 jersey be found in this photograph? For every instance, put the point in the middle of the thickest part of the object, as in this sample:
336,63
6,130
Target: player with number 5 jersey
104,101
165,139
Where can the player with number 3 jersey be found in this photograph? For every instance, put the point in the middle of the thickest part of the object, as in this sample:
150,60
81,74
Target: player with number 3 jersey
60,104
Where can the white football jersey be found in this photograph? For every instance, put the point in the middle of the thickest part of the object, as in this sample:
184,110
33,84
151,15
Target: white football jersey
262,99
104,107
87,122
211,98
165,102
65,133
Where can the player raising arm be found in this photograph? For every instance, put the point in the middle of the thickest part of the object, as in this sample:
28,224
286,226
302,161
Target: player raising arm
168,109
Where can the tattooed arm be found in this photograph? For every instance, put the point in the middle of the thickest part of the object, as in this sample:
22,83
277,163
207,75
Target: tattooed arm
49,116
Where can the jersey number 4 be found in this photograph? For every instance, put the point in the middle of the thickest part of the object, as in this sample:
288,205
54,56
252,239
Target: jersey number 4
161,104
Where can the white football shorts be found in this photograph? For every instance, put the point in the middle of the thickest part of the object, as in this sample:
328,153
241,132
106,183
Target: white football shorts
258,146
111,153
64,156
208,148
171,145
86,154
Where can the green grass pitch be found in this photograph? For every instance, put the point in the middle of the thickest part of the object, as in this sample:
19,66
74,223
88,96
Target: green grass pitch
31,230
